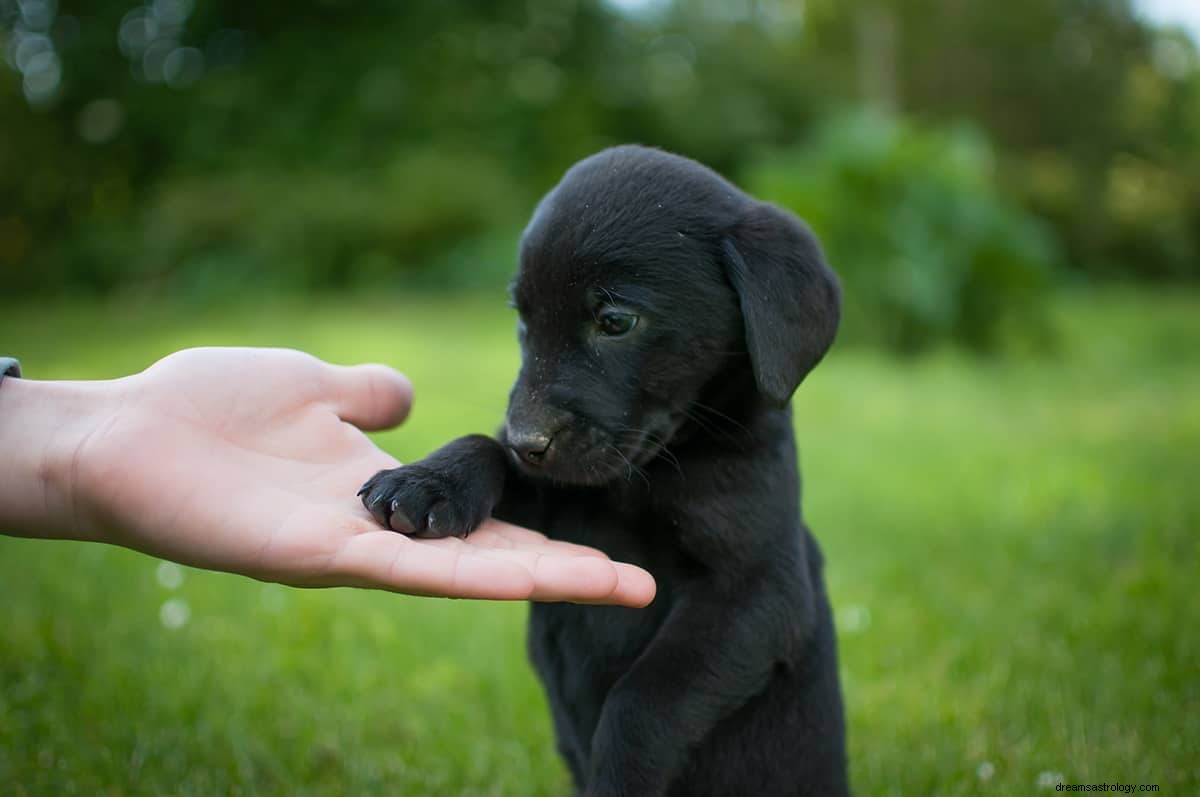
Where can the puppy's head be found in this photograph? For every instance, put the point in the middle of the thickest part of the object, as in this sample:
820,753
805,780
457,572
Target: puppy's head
647,283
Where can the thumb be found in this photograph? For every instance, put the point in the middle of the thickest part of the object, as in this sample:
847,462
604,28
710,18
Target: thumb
370,396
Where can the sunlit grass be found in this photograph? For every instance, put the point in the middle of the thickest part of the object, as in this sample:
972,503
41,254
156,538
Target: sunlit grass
1011,552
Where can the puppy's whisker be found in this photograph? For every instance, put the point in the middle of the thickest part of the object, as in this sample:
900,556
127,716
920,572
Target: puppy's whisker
716,412
715,431
614,295
718,433
704,425
670,457
666,453
713,421
643,435
630,467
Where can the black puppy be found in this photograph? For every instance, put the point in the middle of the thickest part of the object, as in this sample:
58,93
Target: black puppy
665,320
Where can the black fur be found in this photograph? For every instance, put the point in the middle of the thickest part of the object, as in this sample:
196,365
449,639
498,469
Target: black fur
670,446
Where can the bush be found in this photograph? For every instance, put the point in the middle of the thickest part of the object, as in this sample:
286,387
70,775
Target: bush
911,220
322,229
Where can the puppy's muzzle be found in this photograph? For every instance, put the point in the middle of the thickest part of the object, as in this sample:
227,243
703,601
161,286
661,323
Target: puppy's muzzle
530,447
533,430
544,437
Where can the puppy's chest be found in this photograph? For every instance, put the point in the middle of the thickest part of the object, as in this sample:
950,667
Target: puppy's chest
606,638
623,526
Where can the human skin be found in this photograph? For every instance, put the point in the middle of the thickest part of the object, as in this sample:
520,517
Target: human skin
247,461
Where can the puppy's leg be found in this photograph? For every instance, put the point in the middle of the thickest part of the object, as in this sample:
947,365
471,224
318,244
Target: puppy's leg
448,493
707,659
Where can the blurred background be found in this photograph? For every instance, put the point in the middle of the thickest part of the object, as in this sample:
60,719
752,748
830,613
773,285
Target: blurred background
1000,453
177,148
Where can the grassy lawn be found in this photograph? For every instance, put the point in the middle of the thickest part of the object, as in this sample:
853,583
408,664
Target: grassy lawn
1012,552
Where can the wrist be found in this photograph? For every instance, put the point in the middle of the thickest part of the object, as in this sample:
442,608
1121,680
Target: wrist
44,431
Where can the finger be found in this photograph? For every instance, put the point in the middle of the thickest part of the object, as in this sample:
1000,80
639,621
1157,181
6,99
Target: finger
555,578
578,582
369,396
635,586
579,579
498,534
386,560
627,586
535,569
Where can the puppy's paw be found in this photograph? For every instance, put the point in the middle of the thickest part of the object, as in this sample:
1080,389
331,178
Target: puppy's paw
421,501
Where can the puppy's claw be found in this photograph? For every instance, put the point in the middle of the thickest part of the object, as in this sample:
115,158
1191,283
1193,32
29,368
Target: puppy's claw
398,521
368,485
376,511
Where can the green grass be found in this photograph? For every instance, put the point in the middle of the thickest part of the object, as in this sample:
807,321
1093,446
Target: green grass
1012,555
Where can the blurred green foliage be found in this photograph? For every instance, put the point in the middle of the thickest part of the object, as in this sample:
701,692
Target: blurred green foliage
912,219
173,147
320,229
1094,114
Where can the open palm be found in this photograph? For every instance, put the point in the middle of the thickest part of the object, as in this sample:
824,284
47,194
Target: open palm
248,460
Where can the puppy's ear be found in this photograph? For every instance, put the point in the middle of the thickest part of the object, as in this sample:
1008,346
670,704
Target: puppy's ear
791,300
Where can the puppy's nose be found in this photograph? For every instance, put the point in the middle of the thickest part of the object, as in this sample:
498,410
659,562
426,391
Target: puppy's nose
530,446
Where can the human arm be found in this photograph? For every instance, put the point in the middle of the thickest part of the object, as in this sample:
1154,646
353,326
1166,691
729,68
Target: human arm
247,460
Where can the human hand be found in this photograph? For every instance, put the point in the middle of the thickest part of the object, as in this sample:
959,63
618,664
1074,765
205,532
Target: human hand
247,461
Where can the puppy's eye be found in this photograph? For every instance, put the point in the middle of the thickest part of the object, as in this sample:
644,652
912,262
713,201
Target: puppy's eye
614,323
